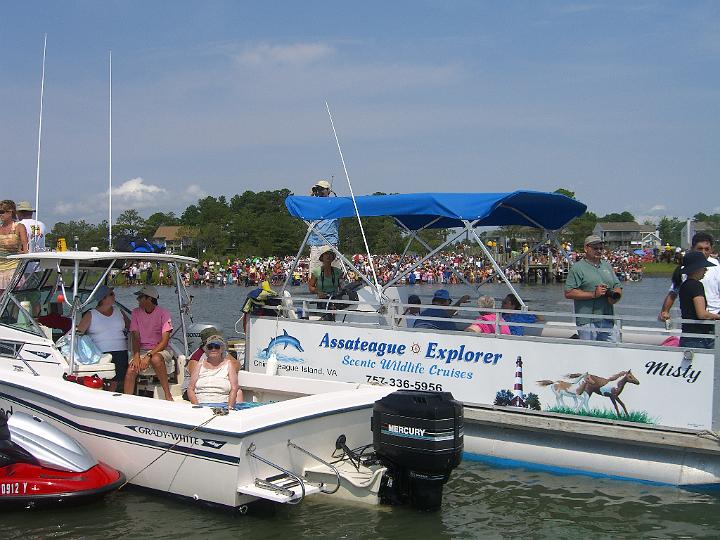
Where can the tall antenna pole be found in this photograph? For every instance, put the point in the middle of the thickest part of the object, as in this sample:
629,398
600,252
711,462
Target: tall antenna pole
37,170
110,163
357,212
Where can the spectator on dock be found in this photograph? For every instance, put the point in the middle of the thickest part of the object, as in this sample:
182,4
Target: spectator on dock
594,289
701,242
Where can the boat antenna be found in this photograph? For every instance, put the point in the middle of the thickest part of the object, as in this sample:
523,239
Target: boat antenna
352,195
37,169
110,248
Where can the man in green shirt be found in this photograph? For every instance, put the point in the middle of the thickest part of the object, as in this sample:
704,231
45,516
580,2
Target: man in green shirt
594,288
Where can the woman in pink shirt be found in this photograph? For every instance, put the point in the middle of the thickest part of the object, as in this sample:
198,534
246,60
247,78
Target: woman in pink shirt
485,323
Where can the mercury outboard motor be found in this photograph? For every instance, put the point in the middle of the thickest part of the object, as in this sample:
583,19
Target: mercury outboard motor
418,436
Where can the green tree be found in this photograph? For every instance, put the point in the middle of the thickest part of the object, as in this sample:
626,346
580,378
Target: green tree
670,230
579,228
158,219
617,218
128,223
566,192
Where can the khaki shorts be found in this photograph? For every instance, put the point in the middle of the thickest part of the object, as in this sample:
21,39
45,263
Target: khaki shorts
167,356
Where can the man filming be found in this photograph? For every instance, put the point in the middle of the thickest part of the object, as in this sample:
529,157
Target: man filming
325,231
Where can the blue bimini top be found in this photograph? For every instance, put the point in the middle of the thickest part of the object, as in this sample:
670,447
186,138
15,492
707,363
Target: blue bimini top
536,209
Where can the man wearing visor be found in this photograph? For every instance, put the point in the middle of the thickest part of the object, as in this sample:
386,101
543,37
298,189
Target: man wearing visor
594,289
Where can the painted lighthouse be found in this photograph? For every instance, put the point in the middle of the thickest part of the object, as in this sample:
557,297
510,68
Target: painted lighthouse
518,399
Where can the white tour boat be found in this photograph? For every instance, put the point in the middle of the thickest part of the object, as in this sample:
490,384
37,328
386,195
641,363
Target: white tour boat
304,435
633,409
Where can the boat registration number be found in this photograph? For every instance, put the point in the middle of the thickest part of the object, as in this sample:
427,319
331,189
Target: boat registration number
13,488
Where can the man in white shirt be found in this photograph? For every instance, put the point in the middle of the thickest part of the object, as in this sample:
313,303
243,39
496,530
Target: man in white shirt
35,229
702,242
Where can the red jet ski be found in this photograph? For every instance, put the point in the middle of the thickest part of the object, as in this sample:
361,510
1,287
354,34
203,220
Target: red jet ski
42,466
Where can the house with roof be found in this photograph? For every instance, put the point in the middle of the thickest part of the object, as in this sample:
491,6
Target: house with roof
175,238
628,235
691,227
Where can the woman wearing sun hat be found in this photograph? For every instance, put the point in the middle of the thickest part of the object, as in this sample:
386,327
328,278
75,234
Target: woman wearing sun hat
693,304
106,325
325,281
214,381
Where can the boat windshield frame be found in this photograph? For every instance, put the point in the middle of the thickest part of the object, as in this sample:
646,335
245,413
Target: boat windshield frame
80,263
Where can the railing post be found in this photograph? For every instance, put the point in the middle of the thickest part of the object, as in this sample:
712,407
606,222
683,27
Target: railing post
715,418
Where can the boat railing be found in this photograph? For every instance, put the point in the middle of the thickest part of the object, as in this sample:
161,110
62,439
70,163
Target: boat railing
627,329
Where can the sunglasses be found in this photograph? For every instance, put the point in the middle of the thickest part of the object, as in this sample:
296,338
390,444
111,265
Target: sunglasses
213,346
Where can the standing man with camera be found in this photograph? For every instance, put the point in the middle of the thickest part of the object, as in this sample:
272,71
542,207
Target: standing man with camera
328,228
594,288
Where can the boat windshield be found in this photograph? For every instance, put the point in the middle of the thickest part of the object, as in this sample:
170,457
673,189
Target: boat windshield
38,296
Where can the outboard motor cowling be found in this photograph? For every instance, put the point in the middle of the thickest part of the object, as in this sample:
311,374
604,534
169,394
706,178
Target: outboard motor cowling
418,436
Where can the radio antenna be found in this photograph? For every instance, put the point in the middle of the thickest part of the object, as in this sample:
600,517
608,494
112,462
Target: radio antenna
357,212
110,248
33,242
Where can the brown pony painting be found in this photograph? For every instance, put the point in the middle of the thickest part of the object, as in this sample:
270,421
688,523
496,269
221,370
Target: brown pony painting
610,387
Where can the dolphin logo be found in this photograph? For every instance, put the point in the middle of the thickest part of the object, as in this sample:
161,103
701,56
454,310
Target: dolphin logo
285,340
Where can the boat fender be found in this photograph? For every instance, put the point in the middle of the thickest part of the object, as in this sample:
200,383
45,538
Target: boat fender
272,365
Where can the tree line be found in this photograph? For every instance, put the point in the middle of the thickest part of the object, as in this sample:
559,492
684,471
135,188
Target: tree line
258,224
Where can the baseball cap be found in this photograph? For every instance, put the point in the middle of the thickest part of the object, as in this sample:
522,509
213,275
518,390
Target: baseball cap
593,239
207,333
216,340
442,294
148,290
102,292
323,184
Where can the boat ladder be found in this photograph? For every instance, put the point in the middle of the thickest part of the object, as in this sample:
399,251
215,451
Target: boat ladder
282,487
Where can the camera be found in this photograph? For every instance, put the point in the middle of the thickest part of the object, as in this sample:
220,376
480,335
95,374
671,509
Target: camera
612,294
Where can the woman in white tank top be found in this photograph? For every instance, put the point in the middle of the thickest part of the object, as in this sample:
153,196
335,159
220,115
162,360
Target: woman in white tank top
106,326
214,380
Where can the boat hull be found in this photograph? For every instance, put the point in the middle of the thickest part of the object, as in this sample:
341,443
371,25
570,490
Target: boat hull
188,451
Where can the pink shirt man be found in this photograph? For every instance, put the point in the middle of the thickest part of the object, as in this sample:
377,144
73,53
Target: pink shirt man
150,326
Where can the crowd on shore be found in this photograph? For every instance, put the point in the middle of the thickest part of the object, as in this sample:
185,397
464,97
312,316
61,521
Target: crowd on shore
445,268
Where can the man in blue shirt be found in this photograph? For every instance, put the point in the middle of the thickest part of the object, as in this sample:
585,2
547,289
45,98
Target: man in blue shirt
440,298
325,231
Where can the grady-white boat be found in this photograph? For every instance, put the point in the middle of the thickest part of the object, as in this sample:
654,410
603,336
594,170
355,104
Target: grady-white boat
633,409
296,437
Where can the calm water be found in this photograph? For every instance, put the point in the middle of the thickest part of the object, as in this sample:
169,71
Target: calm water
479,502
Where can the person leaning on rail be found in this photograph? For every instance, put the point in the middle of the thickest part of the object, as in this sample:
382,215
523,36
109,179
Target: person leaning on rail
594,289
703,243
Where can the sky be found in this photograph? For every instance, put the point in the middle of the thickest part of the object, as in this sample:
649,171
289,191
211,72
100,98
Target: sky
616,101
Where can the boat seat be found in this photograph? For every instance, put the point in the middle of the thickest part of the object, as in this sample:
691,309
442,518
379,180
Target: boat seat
104,368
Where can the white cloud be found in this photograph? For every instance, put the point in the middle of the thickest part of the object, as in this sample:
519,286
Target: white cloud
135,193
298,54
658,208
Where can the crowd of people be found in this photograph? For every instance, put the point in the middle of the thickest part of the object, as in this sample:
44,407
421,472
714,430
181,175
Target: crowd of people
443,269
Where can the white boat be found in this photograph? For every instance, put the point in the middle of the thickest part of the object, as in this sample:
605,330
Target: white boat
660,427
305,436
